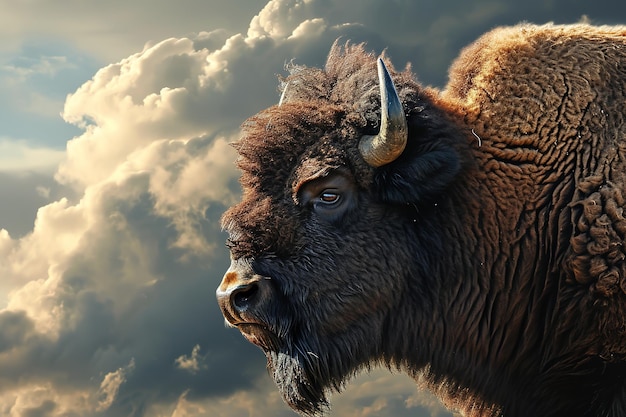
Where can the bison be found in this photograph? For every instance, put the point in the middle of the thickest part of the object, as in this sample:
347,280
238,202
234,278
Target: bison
473,237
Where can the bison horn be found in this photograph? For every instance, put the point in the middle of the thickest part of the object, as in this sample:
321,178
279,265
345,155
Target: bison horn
388,144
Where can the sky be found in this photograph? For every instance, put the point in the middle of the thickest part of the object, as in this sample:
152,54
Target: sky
115,166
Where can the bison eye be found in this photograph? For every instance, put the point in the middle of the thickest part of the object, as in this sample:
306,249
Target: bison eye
329,197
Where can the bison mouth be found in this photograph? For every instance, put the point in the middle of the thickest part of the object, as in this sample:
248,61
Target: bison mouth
305,366
259,335
296,370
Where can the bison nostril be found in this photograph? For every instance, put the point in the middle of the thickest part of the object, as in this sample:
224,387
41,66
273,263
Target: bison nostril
244,296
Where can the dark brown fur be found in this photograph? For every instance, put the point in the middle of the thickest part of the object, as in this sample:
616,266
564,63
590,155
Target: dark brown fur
488,260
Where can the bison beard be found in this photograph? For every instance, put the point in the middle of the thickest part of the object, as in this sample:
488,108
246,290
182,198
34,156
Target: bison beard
473,237
300,389
305,368
303,377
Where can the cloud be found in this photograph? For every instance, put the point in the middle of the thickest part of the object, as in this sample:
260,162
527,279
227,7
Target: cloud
18,156
382,393
192,363
279,19
107,293
27,67
23,193
115,29
110,385
113,278
40,400
378,393
35,81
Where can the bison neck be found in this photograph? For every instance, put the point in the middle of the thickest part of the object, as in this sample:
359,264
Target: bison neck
493,274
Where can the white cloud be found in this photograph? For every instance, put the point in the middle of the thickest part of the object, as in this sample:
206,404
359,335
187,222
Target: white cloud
19,156
279,18
5,242
41,65
110,385
43,399
308,28
192,363
128,106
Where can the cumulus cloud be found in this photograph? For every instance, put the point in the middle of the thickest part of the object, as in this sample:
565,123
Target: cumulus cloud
192,363
110,385
41,400
279,19
107,302
110,281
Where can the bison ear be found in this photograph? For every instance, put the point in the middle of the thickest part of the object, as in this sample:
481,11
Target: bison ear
425,169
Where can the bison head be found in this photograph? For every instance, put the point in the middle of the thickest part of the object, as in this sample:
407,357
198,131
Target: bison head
332,245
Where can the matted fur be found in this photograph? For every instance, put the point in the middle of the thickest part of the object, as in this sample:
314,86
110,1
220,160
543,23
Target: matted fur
487,261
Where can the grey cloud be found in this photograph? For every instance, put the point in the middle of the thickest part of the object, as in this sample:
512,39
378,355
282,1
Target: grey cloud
212,40
430,35
42,410
16,328
115,29
128,294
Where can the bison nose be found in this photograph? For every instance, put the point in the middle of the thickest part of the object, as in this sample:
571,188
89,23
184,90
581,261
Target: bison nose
239,294
238,297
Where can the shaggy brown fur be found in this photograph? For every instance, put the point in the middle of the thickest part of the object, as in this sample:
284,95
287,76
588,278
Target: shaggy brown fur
488,260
